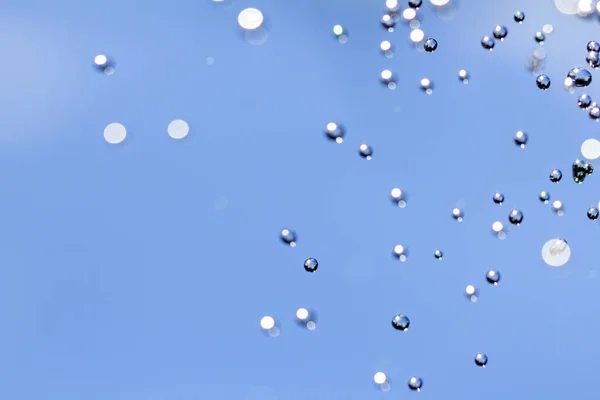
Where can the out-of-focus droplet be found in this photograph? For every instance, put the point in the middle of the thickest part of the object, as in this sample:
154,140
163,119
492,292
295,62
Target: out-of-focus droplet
594,112
430,45
593,213
335,132
589,169
397,197
543,82
400,252
457,214
438,254
481,360
515,217
340,33
415,3
250,18
493,277
386,48
593,46
519,16
415,383
488,43
311,264
427,85
590,149
556,252
392,5
584,101
115,133
547,29
555,175
414,24
417,35
581,77
389,22
463,75
267,322
472,293
520,139
540,37
558,208
544,197
593,59
178,129
379,378
498,198
388,79
584,8
306,318
569,85
579,171
498,229
409,14
500,32
366,151
401,322
289,237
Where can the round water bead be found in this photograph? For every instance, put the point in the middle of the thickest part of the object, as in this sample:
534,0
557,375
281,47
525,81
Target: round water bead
584,101
498,229
594,112
388,79
178,129
311,264
555,175
520,139
340,33
592,213
365,151
335,132
543,81
515,217
398,197
388,21
593,59
386,47
544,197
415,3
540,37
438,254
581,77
250,18
288,236
488,43
493,277
472,293
457,214
400,252
481,360
519,16
500,32
498,198
379,378
593,46
415,383
401,322
463,75
392,5
427,85
590,149
556,252
115,133
557,207
430,45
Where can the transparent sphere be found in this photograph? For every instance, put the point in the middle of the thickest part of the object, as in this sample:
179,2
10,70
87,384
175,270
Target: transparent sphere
457,214
335,132
594,112
540,37
340,33
401,322
520,139
555,175
488,43
493,277
543,82
430,45
463,75
515,217
438,254
311,264
498,198
481,360
581,77
519,16
544,197
415,3
593,59
592,213
288,236
415,383
365,151
500,32
584,101
593,46
556,252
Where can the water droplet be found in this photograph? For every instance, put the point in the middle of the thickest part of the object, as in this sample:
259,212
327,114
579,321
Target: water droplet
340,33
267,322
498,198
457,214
593,46
581,77
556,252
540,37
515,217
115,133
288,236
400,252
388,79
543,82
557,207
398,197
392,5
311,264
547,29
593,59
463,75
104,64
545,196
493,277
589,169
427,85
498,229
389,22
472,293
401,322
415,383
430,45
500,32
594,112
481,360
379,378
366,151
580,171
555,175
386,48
178,129
593,213
590,149
569,85
438,254
488,43
306,319
417,35
415,3
519,16
520,139
584,101
250,18
335,132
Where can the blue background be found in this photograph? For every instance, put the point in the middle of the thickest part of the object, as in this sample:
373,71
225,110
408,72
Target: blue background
141,271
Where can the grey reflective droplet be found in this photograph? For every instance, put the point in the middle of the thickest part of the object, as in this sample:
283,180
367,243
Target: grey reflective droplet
519,16
555,175
388,21
335,132
520,139
288,236
438,254
515,217
488,43
415,3
311,264
365,151
593,46
543,82
457,214
493,277
481,360
579,171
584,101
463,75
498,198
540,37
592,213
544,197
500,32
401,322
581,77
415,383
430,45
594,112
593,59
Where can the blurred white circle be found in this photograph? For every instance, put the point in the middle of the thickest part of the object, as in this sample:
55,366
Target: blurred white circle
379,378
178,129
100,59
115,133
267,322
569,7
556,252
439,3
590,149
302,314
416,35
250,18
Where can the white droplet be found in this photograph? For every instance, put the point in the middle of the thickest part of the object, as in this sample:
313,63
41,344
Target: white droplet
115,133
590,149
250,18
178,129
267,322
302,314
417,35
556,252
379,378
100,60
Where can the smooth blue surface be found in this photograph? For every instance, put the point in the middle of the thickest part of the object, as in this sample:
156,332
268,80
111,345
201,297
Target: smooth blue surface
123,277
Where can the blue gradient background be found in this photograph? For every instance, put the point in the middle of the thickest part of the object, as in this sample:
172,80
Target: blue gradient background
124,276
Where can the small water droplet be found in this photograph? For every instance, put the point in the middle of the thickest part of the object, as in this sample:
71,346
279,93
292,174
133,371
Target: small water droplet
438,254
593,59
584,101
366,151
335,132
593,46
389,22
392,5
288,236
415,383
430,45
581,77
400,252
488,43
555,175
520,139
498,198
386,48
594,112
519,16
340,33
427,85
543,82
500,32
398,197
415,3
472,293
463,75
311,264
388,79
401,322
457,214
481,360
540,37
557,207
493,277
544,197
515,217
593,213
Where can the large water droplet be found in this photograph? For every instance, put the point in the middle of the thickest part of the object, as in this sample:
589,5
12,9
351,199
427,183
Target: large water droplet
580,171
415,383
250,18
515,217
544,197
115,133
593,59
581,77
500,32
481,360
543,81
593,46
401,322
311,264
555,175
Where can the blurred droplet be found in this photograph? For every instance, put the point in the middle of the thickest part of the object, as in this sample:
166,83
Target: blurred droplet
493,277
594,112
250,18
430,45
414,24
593,213
388,79
439,3
178,129
580,171
581,77
340,33
415,383
544,197
569,85
400,252
392,5
515,217
568,7
556,252
463,75
398,197
438,254
386,48
547,29
584,8
417,35
593,46
311,264
115,133
289,237
543,82
379,378
472,293
519,16
498,198
590,149
335,132
105,65
457,214
481,360
388,22
540,37
555,175
401,322
500,32
365,151
257,36
488,43
210,60
409,14
267,322
427,85
306,318
584,101
520,139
